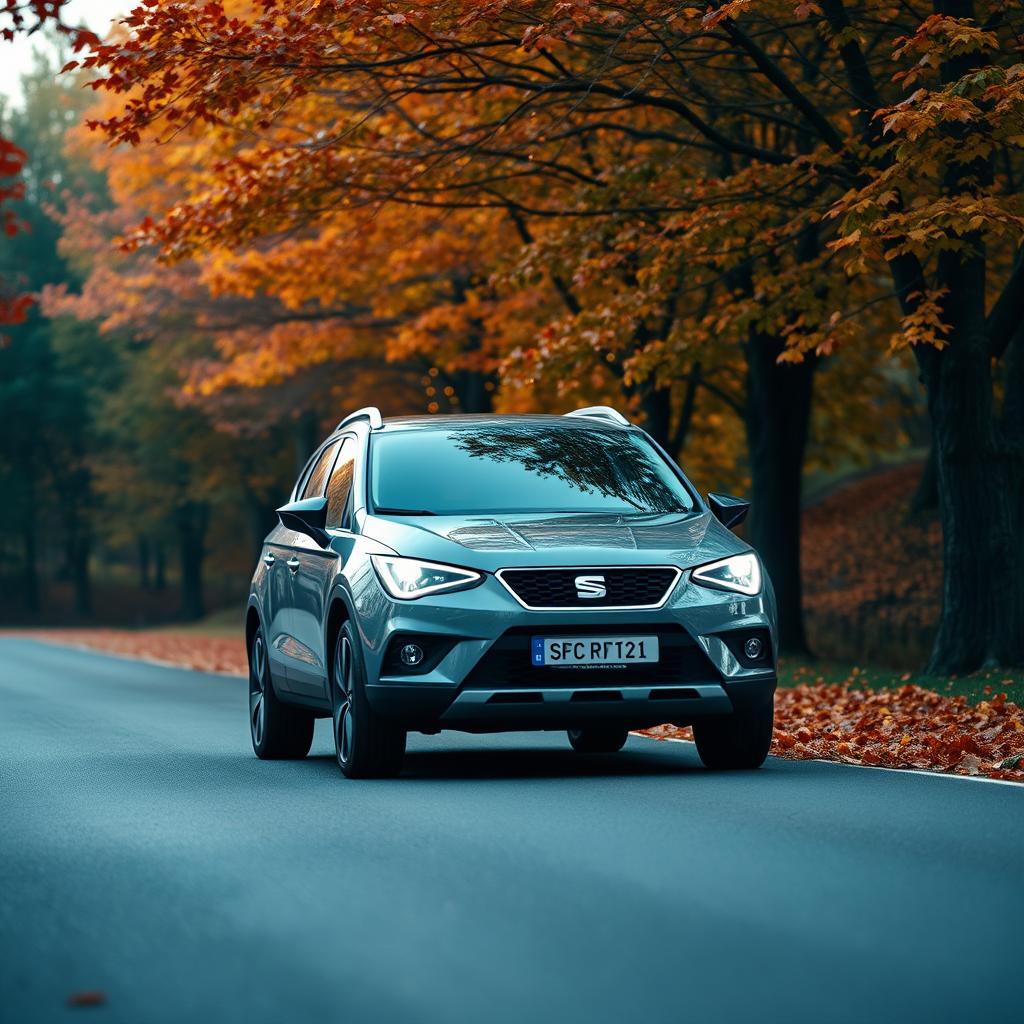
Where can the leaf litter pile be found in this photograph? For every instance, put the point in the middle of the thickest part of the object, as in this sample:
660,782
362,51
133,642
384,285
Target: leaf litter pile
906,727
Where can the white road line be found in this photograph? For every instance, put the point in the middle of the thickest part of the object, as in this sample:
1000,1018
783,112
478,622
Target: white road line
847,764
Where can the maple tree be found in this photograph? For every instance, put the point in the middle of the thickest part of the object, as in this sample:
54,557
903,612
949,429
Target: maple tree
758,185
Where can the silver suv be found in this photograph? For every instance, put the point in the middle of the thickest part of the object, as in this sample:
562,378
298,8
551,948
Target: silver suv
492,573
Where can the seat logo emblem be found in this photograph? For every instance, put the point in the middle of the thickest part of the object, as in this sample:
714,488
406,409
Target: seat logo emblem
590,587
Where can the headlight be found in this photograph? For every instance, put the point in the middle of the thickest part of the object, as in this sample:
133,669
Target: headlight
740,572
409,578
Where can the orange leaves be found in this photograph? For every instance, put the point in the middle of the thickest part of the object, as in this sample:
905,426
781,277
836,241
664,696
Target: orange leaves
719,13
910,727
945,36
924,325
204,653
906,728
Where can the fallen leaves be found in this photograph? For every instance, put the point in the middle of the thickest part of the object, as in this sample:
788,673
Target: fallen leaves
872,577
910,727
199,651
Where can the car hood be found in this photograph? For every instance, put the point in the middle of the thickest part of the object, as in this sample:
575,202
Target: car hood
492,542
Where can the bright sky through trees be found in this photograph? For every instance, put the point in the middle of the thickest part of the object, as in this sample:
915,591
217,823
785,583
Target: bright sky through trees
17,54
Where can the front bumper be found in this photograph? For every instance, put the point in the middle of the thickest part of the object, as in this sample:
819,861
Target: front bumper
457,693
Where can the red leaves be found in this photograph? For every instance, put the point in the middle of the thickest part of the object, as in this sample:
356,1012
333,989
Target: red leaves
14,309
12,158
906,728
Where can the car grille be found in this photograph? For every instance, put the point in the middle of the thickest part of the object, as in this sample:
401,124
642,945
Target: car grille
626,587
506,665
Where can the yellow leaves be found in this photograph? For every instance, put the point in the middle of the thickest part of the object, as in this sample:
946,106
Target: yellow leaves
942,36
731,9
925,324
845,241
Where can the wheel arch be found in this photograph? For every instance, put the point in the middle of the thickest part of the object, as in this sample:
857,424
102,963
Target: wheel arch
339,611
253,621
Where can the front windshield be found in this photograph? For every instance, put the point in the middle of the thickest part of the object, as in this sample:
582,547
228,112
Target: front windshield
521,468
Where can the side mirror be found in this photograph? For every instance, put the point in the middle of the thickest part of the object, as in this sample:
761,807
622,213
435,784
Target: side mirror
308,517
729,511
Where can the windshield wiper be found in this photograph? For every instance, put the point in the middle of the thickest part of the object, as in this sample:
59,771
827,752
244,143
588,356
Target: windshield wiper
383,511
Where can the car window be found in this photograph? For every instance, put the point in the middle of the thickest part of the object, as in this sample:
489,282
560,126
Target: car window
340,486
315,484
510,467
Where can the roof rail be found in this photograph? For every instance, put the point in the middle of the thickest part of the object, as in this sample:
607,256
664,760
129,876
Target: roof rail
600,412
371,413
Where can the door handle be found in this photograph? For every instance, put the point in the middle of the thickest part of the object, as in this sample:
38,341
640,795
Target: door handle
269,559
293,564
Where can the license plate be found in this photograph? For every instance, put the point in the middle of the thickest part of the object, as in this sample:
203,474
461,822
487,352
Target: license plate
573,651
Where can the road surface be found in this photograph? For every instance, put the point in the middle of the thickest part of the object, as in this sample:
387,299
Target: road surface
146,854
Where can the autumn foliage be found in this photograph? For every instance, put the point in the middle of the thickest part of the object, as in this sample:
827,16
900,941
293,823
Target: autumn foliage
784,236
694,210
906,728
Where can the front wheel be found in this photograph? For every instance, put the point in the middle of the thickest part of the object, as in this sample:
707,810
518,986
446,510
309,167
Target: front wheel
740,741
597,740
366,745
279,731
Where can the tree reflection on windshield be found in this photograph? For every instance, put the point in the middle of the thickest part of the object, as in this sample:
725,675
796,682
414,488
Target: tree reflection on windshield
613,464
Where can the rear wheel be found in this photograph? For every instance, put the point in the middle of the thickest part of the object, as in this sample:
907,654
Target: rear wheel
278,730
740,741
365,744
597,739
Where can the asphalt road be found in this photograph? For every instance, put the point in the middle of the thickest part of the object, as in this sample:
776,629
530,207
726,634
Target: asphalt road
147,854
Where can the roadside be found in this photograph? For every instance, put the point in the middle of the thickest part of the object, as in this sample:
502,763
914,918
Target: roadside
827,711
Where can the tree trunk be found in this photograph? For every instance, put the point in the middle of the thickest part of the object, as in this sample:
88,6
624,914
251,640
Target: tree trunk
926,496
307,437
682,430
81,581
260,517
982,621
978,460
778,418
1012,426
471,387
144,564
656,404
192,519
31,566
159,568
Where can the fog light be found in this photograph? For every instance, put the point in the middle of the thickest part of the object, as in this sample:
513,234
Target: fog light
412,654
752,648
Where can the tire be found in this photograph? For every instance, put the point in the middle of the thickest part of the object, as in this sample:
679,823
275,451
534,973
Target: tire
366,745
598,739
278,731
740,741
